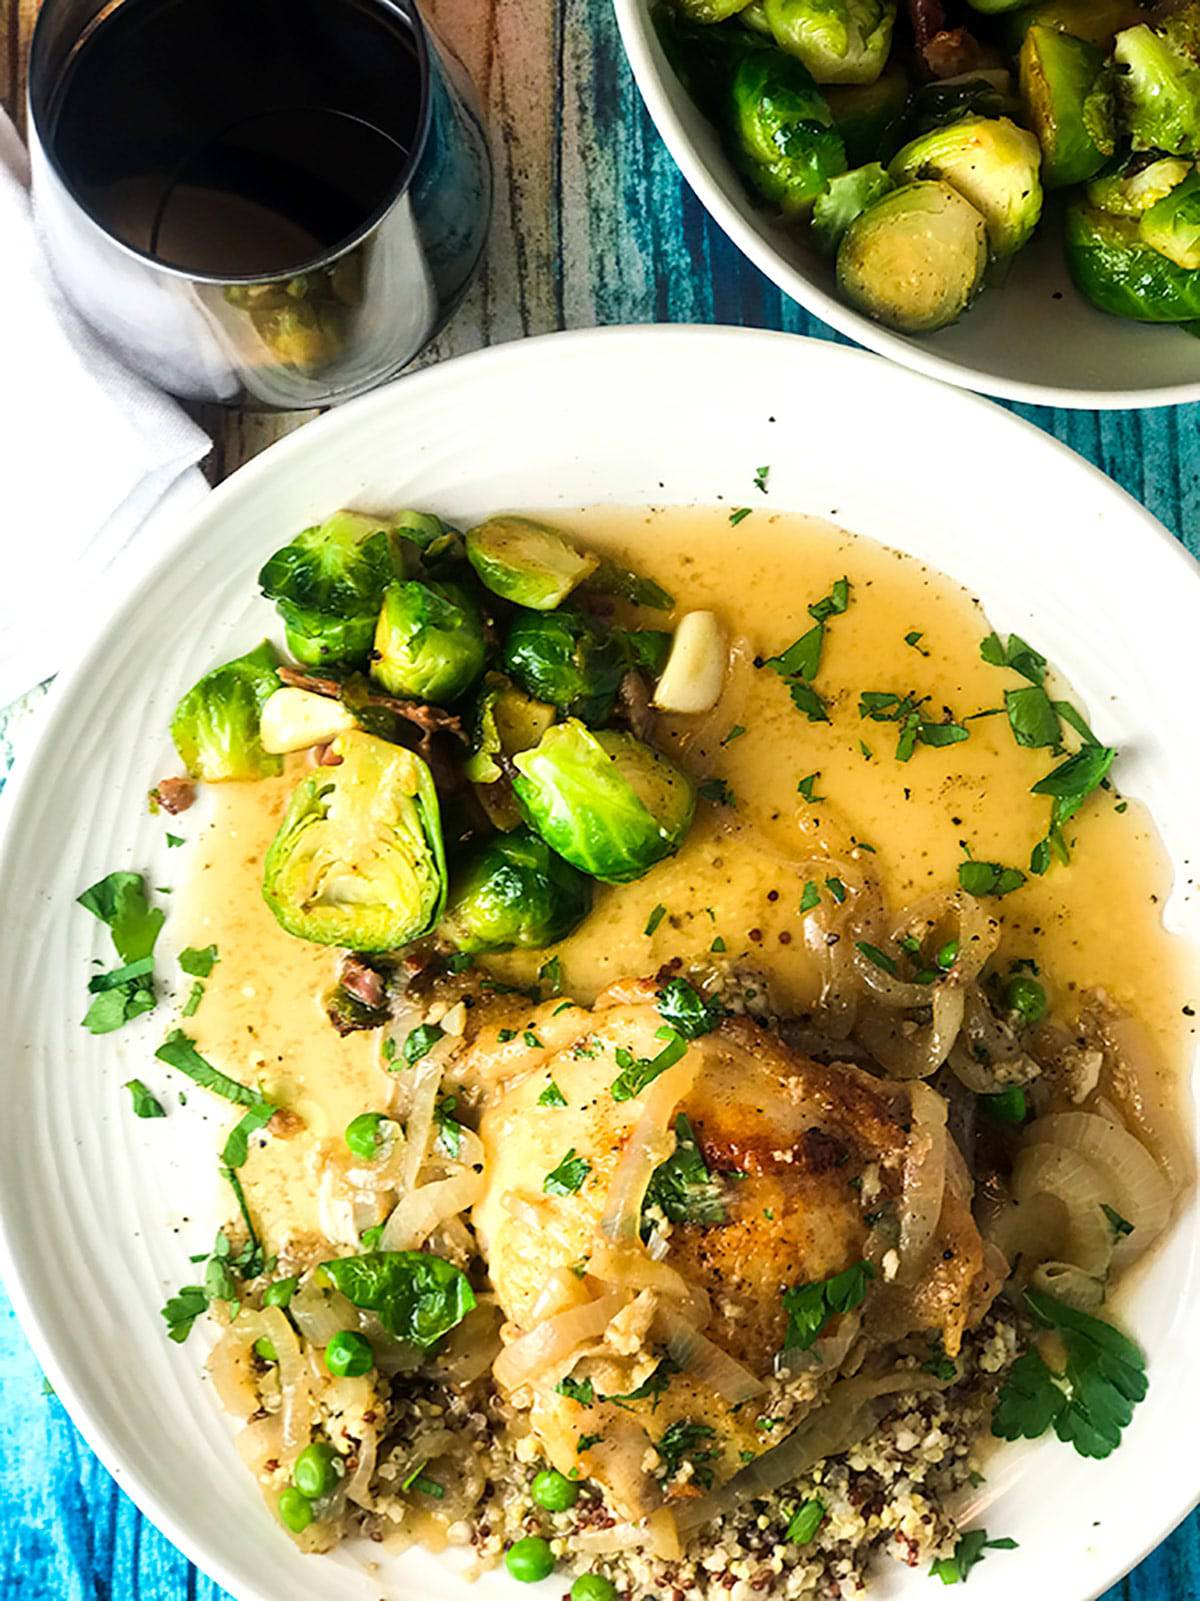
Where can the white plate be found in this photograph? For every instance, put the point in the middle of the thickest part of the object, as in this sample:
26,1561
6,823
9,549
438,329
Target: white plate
1036,339
90,1198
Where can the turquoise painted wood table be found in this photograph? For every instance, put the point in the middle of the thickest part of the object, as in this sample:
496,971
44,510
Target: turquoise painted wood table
593,225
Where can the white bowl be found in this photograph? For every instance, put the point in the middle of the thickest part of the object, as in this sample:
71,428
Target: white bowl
1035,339
98,1211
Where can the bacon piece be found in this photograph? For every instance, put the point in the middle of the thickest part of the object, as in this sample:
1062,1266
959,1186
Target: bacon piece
174,795
364,982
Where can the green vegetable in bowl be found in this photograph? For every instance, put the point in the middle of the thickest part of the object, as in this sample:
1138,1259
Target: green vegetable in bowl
514,892
611,805
1067,91
527,562
568,659
430,642
1120,273
1172,225
1134,185
327,586
990,162
216,725
1158,91
1097,21
782,130
915,259
870,116
358,859
839,41
506,721
986,93
844,198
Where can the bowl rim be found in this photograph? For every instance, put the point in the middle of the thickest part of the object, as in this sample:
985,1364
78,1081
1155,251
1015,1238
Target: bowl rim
19,798
638,39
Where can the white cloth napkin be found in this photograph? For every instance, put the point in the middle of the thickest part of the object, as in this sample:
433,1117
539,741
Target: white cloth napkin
95,462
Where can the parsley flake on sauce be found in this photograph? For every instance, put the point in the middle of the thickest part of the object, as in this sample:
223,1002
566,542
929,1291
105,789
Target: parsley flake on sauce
809,1307
567,1178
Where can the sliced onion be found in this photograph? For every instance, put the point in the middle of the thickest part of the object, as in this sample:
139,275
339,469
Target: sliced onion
422,1210
616,1461
649,1144
1134,1074
1084,1236
826,1354
1068,1283
924,1181
472,1345
260,1442
707,1363
562,1290
664,1535
919,1052
630,1268
319,1311
425,1082
1137,1188
358,1485
295,1410
231,1365
553,1342
606,1542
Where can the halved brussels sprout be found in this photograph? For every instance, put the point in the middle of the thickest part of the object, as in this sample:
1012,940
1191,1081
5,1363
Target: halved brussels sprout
992,163
506,721
327,586
1097,21
527,562
568,659
839,41
1158,93
914,260
358,859
1172,225
1114,267
782,130
844,198
870,116
1067,91
605,801
216,725
1136,185
430,642
514,892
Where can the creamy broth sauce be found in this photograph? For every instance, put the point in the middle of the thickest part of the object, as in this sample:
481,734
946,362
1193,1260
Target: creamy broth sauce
741,873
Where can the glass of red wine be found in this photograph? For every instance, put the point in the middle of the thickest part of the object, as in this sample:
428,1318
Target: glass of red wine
266,203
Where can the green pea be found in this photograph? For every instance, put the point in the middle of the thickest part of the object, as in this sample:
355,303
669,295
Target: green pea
280,1293
1025,997
266,1349
593,1587
530,1559
553,1490
348,1355
364,1135
316,1471
1008,1106
295,1511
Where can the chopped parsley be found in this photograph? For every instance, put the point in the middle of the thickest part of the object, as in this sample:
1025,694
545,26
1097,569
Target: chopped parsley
198,963
805,788
1032,718
120,902
420,1041
581,1390
738,516
914,639
805,1521
682,1186
837,889
637,1072
717,791
1090,1401
1068,786
531,1039
504,1035
810,1306
655,918
989,878
1120,1226
552,1096
192,1005
810,898
718,945
761,474
884,706
686,1011
182,1310
145,1104
652,1388
1022,658
798,664
450,1131
174,841
735,732
567,1178
586,1442
968,1551
179,1051
550,973
877,958
685,1441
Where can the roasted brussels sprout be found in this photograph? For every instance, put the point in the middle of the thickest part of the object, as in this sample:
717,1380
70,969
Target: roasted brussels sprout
514,892
506,721
430,642
647,648
990,162
1097,21
1172,225
915,259
844,198
1158,92
1114,267
216,725
327,586
610,578
782,131
358,859
1067,91
870,116
427,532
605,801
527,562
1136,185
839,41
568,659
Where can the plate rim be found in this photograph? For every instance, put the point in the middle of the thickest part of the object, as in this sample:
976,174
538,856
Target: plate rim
130,578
